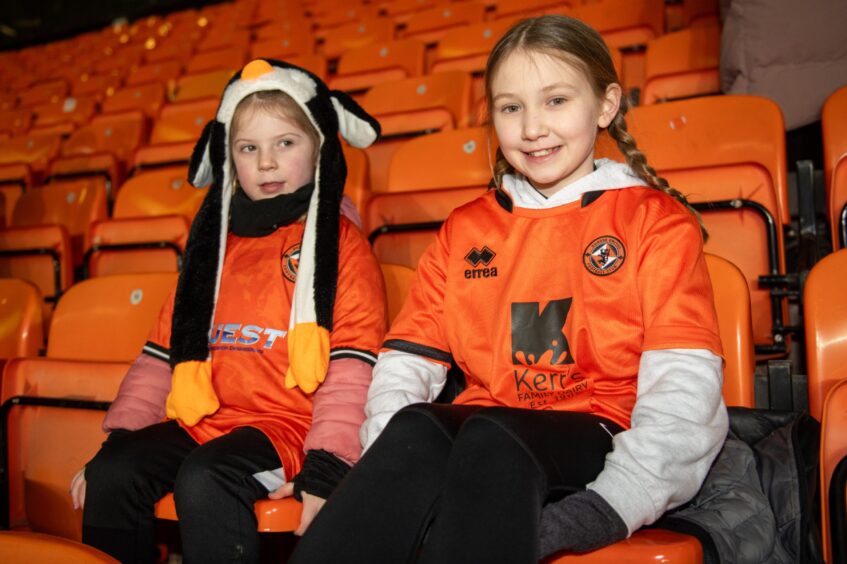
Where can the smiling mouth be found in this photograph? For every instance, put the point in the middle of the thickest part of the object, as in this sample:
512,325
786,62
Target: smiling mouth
542,152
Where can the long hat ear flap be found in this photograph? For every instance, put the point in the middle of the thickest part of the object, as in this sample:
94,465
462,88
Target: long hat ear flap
192,396
200,166
355,125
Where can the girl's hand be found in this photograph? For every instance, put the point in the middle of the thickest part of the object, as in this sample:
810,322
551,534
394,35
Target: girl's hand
311,505
78,489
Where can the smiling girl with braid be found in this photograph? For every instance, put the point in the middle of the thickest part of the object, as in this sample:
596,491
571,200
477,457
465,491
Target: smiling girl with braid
576,300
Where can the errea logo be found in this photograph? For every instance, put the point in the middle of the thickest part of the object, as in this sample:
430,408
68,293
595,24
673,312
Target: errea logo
480,259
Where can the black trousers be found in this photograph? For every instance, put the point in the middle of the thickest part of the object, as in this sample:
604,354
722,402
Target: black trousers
213,485
460,484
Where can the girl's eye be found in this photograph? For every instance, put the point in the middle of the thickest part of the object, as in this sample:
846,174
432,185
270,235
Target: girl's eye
509,108
247,148
286,143
557,101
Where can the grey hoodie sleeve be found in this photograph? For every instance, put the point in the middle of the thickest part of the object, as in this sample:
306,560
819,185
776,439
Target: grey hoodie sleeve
679,424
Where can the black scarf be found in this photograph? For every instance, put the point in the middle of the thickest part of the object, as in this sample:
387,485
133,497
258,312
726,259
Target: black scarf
258,218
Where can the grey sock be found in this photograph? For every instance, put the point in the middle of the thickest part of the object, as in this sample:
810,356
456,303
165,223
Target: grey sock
581,522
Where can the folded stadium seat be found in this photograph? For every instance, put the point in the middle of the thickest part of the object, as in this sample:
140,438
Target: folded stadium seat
145,97
21,333
833,120
532,8
383,61
100,166
98,86
121,59
626,25
293,44
404,218
332,15
413,107
43,93
173,48
682,64
727,154
398,280
66,114
355,35
208,84
149,227
430,25
49,443
277,27
118,134
14,179
176,131
34,151
163,72
833,478
21,546
218,37
316,64
8,101
15,122
225,58
401,10
467,49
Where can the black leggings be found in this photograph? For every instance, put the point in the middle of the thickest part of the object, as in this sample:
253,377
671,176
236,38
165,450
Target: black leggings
213,485
448,483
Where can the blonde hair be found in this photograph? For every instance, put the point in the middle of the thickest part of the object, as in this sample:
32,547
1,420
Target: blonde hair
580,45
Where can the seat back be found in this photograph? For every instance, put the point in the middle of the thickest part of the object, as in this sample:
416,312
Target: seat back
825,314
120,134
382,61
430,25
71,110
833,477
87,316
48,445
834,127
357,185
43,93
145,97
15,122
162,72
358,34
160,191
726,149
49,266
21,333
531,8
283,46
398,280
732,303
183,121
21,546
98,86
35,151
682,64
225,58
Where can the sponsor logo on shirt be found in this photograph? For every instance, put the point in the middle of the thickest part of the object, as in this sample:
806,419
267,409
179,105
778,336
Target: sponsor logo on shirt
291,262
604,255
479,260
247,338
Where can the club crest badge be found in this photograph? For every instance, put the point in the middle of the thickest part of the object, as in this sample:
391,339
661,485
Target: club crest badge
604,256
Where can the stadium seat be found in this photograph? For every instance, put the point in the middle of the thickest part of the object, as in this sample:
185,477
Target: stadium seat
102,165
531,8
21,546
398,280
40,255
833,120
333,15
86,317
14,179
833,477
682,65
316,64
404,218
43,93
825,314
357,186
116,134
646,545
727,154
174,49
237,39
355,35
225,58
98,86
402,10
412,107
21,333
47,446
162,72
149,227
15,122
383,61
183,121
145,97
70,113
293,44
201,85
273,515
34,151
428,26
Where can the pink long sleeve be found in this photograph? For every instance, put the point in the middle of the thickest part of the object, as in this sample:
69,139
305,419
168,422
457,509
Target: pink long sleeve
141,397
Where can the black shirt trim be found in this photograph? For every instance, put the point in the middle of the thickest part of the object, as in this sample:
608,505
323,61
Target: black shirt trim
418,349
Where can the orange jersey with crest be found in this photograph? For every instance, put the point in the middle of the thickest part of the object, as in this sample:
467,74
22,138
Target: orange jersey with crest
248,342
552,308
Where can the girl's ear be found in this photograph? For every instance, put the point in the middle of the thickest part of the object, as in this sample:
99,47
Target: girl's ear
355,125
610,103
200,167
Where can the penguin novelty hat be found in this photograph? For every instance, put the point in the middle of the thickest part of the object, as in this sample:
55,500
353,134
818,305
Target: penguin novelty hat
192,396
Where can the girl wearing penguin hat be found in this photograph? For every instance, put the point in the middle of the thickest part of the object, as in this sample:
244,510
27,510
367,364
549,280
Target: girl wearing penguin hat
261,359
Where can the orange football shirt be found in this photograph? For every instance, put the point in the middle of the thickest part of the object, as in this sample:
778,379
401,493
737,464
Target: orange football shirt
552,308
248,338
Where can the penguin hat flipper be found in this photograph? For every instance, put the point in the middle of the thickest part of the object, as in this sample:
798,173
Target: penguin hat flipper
331,113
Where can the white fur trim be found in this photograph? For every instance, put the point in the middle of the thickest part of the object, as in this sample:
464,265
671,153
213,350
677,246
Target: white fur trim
293,82
354,129
203,176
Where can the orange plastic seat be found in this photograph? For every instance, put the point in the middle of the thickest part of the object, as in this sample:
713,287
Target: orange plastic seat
360,69
145,97
209,84
682,64
20,546
398,280
316,64
833,119
175,48
233,38
183,121
15,122
833,477
14,179
103,165
118,134
332,15
401,10
40,255
430,25
727,154
70,112
355,35
48,445
21,333
87,315
162,72
825,314
225,58
35,151
43,93
646,545
412,107
357,186
284,46
404,219
530,8
97,86
273,515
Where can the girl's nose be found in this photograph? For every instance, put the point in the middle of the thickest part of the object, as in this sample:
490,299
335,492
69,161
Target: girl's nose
266,160
534,125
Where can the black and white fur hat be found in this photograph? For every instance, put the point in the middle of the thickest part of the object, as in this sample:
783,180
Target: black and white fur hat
331,113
